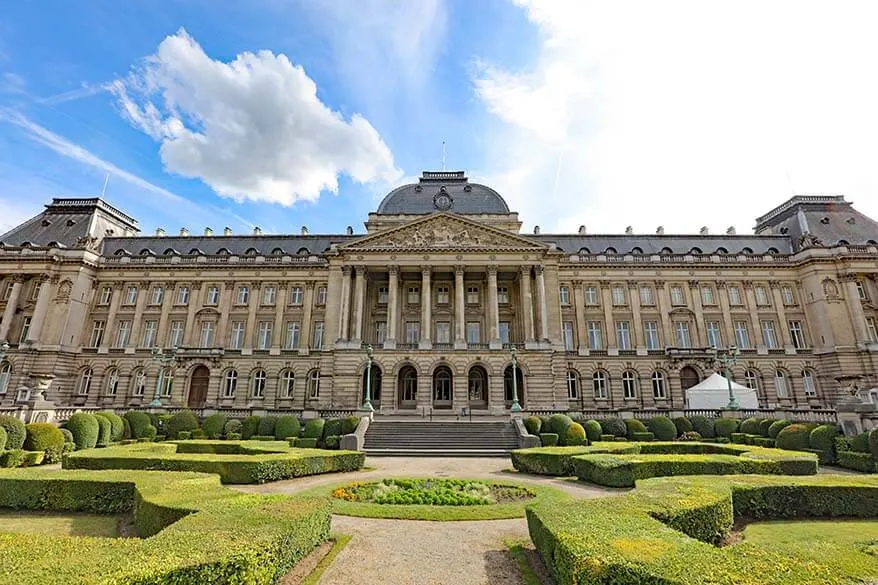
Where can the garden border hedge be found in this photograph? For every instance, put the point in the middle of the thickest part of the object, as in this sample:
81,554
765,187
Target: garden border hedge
558,460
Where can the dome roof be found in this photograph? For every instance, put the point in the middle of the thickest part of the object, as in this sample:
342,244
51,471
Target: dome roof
443,191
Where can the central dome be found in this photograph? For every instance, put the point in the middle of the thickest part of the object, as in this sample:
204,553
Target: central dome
443,191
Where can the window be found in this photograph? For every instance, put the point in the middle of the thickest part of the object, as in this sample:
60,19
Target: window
158,295
106,295
207,329
797,334
742,336
473,332
646,297
35,291
780,385
213,295
623,335
503,295
175,337
683,339
380,332
97,333
786,292
131,295
713,335
183,295
629,385
595,337
572,385
735,296
318,335
230,384
138,383
677,298
382,295
5,375
658,386
296,295
243,296
591,296
808,383
472,295
149,333
294,331
236,338
321,296
84,382
504,332
412,332
7,292
599,383
565,295
269,295
167,377
567,335
314,384
25,329
618,296
761,296
258,389
442,295
707,296
287,384
414,295
650,332
112,383
123,333
751,380
443,332
263,336
861,291
768,335
871,329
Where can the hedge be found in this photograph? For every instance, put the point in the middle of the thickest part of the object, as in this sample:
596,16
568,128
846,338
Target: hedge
47,438
332,441
558,424
662,427
306,443
266,426
533,425
332,427
763,442
255,467
592,430
551,460
15,431
632,425
703,426
85,429
823,439
614,426
117,427
793,437
683,425
349,425
548,439
287,426
250,427
665,531
750,426
858,461
724,427
138,421
105,429
2,438
777,426
32,458
765,426
314,428
11,458
214,425
233,426
608,438
642,437
199,531
185,420
575,435
873,442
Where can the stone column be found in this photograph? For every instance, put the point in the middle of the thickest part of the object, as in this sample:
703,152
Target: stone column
493,310
754,316
278,332
544,307
855,306
459,309
40,310
579,308
700,337
664,308
252,306
221,335
360,293
783,333
194,304
609,325
11,305
392,306
168,301
636,329
426,312
142,298
527,303
308,305
110,325
729,334
345,304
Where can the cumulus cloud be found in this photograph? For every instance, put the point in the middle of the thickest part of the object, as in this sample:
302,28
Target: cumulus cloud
253,128
684,113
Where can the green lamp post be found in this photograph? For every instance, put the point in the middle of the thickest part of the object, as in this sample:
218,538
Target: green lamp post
728,359
367,404
516,407
164,360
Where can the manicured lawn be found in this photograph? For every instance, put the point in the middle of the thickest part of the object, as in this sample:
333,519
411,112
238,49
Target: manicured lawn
59,523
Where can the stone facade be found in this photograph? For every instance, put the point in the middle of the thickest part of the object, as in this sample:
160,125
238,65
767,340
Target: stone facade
598,321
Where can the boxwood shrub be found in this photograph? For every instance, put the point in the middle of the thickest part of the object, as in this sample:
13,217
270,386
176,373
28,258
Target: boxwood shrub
287,426
214,425
2,438
117,427
332,427
858,461
85,429
266,426
558,424
777,426
575,435
233,436
873,443
765,425
614,426
350,424
314,428
608,438
793,437
138,421
306,443
763,442
185,420
11,458
750,426
632,425
232,426
703,426
533,425
250,427
662,427
32,458
47,438
15,431
551,460
332,441
683,425
740,438
592,430
724,427
548,439
822,438
643,437
105,429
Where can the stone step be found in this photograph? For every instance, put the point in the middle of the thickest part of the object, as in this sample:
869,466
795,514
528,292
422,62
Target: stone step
449,438
437,452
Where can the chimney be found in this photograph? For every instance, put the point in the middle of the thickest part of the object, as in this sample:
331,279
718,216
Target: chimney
208,231
160,232
536,230
349,231
257,231
582,230
184,232
227,231
704,231
731,231
629,231
660,231
304,230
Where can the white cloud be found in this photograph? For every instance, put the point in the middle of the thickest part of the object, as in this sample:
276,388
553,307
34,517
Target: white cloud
253,128
685,113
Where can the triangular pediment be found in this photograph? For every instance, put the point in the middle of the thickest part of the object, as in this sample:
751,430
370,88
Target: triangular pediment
444,231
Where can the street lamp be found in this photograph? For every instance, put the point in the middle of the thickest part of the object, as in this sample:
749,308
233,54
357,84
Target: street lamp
728,359
367,404
165,360
516,407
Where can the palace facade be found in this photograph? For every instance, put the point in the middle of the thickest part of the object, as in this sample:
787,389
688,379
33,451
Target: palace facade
442,286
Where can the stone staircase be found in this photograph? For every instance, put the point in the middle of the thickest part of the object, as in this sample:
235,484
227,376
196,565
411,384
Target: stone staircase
441,439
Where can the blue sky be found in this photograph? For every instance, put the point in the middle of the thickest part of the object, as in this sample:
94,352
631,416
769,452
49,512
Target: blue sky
205,113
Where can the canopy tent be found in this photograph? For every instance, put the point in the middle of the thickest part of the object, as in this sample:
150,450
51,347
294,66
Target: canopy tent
713,392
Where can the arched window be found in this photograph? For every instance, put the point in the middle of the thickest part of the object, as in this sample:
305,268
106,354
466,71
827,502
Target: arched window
659,390
689,377
722,251
138,382
374,384
287,383
146,252
84,382
809,383
746,251
600,383
112,382
120,253
510,391
277,252
167,375
170,252
781,384
629,384
842,242
584,251
442,379
223,252
751,380
666,251
477,385
251,252
5,375
408,384
314,384
637,250
230,384
610,250
695,251
257,389
773,251
195,252
572,385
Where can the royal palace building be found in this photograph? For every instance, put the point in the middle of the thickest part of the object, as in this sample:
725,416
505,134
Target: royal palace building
445,289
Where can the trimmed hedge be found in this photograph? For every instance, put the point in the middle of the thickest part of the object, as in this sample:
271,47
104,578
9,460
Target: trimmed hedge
11,458
15,431
117,427
793,437
683,425
85,430
763,442
575,435
592,430
250,427
823,438
858,461
32,458
138,421
332,427
47,438
614,426
266,426
662,427
608,438
200,532
777,426
332,441
632,425
2,438
214,425
551,460
703,426
533,424
548,439
306,443
558,424
873,442
105,430
724,427
232,426
765,425
286,426
643,437
185,420
750,426
349,425
314,429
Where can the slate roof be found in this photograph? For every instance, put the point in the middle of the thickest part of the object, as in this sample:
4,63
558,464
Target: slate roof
213,245
828,217
677,244
467,198
64,222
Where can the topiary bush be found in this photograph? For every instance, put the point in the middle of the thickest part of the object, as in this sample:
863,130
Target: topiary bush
250,427
287,426
314,428
750,426
350,424
232,425
614,426
2,438
533,424
662,427
724,427
266,425
214,425
138,421
860,443
643,437
548,439
764,425
632,425
104,430
873,443
703,426
575,435
15,431
306,442
558,424
690,436
85,429
593,430
332,427
793,437
68,436
126,432
185,420
776,427
683,425
117,427
12,458
823,439
47,438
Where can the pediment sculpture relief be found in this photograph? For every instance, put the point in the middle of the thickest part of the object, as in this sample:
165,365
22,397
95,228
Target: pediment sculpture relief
443,234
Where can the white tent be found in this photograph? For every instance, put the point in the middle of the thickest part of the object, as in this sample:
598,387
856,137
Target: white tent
713,392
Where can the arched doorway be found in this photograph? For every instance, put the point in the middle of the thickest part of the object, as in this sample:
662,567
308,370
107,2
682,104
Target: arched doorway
507,386
477,386
374,387
407,387
442,387
198,384
689,377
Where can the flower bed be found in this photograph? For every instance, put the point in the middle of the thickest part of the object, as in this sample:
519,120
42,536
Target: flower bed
432,492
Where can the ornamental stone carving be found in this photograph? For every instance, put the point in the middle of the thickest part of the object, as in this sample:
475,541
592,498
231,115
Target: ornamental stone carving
444,233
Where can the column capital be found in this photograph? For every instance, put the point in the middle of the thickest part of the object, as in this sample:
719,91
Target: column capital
393,269
633,285
20,278
491,269
459,269
774,284
426,271
694,284
525,271
42,277
361,270
721,284
346,269
659,283
577,283
748,284
196,286
538,269
605,284
309,285
847,277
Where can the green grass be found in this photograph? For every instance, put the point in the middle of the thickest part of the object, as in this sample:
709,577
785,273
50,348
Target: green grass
430,491
58,523
341,541
519,553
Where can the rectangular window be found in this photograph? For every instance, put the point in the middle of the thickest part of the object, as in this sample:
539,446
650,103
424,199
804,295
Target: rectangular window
595,335
707,297
412,332
213,295
646,297
618,296
175,337
106,295
735,296
769,337
503,295
294,331
318,335
243,295
236,338
472,295
149,333
97,333
296,295
123,333
35,291
797,334
623,335
183,295
269,295
742,336
599,383
473,332
565,295
414,295
380,332
131,295
651,334
761,297
567,335
207,331
504,332
263,336
683,339
443,332
677,298
591,296
871,329
321,296
789,298
25,329
158,295
808,383
713,335
167,382
442,295
382,295
7,292
861,291
781,386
